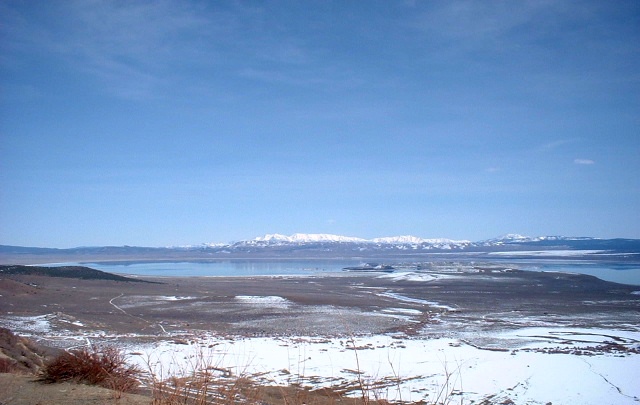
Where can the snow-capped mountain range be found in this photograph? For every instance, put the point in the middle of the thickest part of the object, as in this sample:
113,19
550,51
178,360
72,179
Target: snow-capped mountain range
442,243
302,245
328,238
407,244
341,243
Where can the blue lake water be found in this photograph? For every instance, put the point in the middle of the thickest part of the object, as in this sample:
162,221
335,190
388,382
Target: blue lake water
628,273
228,268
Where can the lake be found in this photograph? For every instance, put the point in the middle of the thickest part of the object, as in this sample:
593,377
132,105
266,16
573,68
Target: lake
627,273
226,268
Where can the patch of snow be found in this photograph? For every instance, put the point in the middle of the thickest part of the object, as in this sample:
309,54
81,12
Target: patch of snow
418,369
173,298
76,323
402,298
267,300
26,325
407,311
409,276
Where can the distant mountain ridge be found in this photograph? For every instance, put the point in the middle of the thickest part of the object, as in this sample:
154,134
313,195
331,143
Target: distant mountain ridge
306,238
408,244
328,245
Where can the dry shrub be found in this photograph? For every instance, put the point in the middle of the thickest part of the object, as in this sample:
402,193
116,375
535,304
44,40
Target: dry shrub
105,367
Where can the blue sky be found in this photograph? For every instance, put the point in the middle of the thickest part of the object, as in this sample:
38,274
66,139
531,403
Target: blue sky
181,122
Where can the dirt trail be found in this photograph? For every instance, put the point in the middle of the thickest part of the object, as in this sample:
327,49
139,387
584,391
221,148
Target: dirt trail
133,316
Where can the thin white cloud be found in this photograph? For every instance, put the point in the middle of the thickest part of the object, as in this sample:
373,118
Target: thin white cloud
583,161
139,50
478,21
556,144
129,46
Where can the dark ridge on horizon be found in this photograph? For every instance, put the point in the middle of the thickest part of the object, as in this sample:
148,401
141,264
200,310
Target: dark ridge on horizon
79,272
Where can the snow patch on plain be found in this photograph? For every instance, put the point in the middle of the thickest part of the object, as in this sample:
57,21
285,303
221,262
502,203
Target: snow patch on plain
407,311
268,300
431,304
409,276
25,325
418,369
173,298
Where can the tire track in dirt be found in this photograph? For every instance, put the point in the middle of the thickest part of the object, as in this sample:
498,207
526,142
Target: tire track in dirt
133,316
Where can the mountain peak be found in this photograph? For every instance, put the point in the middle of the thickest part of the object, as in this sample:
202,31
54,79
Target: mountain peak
408,239
513,237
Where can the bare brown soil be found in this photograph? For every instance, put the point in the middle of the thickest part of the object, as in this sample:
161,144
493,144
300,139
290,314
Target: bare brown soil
350,304
18,389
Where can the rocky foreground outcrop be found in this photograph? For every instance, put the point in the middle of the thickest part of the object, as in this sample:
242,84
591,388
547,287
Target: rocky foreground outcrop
18,354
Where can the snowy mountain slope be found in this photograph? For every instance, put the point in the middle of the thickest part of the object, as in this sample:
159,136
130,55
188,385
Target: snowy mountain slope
407,239
307,238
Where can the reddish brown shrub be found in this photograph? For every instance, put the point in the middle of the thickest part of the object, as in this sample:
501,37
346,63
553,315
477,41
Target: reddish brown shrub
105,367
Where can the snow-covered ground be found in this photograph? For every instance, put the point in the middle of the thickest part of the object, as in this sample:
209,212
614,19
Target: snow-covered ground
532,365
269,301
